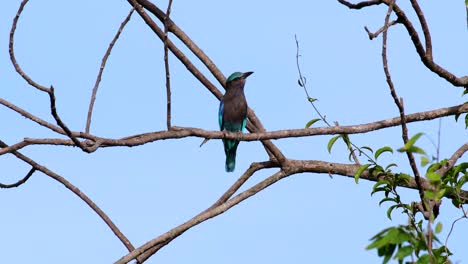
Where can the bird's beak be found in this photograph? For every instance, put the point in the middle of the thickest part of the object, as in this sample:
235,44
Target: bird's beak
246,74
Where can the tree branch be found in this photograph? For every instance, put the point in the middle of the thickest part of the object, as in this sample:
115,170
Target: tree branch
101,69
399,104
451,162
77,192
12,52
166,65
182,132
425,58
18,183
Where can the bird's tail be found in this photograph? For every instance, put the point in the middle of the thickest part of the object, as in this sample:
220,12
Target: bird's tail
230,147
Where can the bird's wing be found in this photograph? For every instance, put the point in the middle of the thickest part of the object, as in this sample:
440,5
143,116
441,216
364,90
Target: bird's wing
244,124
220,115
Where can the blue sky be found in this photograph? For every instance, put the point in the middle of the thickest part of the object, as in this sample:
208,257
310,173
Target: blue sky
146,190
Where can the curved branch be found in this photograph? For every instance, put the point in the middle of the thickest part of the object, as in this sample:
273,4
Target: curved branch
413,33
12,52
18,183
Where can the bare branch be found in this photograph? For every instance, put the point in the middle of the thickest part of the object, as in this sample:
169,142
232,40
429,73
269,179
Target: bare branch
425,28
297,166
451,162
60,123
399,104
182,132
31,117
101,69
77,192
360,4
382,29
12,52
425,57
166,65
18,183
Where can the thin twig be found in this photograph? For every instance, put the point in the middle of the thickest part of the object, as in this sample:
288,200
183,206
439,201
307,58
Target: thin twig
60,123
464,216
12,52
166,65
360,4
18,183
101,69
303,83
382,29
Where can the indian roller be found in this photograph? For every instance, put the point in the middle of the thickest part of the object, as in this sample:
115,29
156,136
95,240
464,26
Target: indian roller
232,114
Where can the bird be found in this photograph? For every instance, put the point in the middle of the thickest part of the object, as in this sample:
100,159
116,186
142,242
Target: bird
232,114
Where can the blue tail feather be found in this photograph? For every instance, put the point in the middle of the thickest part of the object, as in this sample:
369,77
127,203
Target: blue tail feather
230,148
230,162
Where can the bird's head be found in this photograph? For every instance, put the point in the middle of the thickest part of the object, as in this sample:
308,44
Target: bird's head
237,78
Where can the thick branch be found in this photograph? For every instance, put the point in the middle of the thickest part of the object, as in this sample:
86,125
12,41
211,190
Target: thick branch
182,132
297,166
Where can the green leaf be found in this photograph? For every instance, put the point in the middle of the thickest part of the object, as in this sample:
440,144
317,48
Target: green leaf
429,194
466,2
311,122
457,116
381,189
382,150
433,177
331,142
390,165
403,252
398,236
347,140
413,139
441,193
360,171
367,148
389,211
438,228
378,243
388,199
414,149
409,145
424,259
312,99
466,121
424,161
